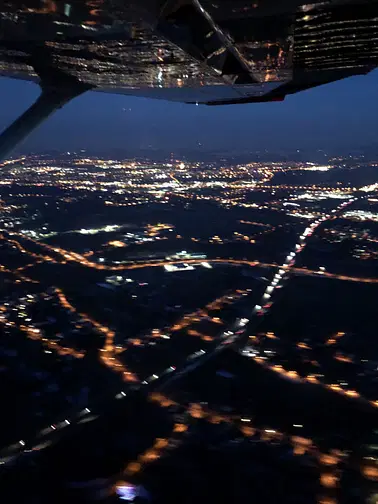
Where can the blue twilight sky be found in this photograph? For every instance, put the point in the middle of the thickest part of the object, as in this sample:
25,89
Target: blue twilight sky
338,116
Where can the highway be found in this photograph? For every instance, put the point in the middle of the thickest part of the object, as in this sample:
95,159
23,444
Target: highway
53,252
74,257
53,433
50,434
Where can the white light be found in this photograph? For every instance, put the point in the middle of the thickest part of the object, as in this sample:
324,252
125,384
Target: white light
297,425
206,265
127,492
22,443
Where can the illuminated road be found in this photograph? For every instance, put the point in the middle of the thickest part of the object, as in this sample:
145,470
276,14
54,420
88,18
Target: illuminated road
193,361
50,434
311,379
83,261
74,257
288,267
327,463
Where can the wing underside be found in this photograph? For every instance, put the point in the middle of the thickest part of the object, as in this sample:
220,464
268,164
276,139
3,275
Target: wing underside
191,51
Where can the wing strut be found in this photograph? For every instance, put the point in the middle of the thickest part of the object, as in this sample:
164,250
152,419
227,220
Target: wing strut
51,99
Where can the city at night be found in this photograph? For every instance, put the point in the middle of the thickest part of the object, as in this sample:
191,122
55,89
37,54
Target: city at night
188,252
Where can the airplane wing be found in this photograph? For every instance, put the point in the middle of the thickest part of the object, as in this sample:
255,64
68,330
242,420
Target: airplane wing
194,51
213,52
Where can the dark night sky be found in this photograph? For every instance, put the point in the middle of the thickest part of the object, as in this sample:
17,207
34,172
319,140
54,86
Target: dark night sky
337,116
